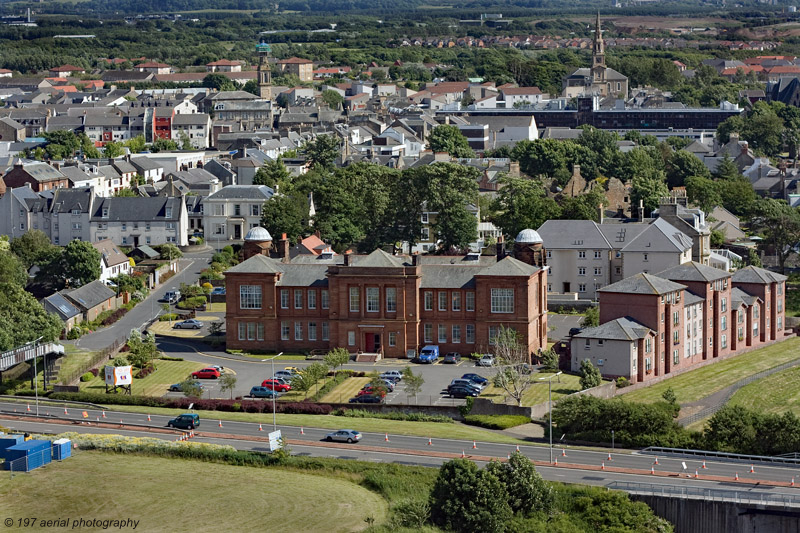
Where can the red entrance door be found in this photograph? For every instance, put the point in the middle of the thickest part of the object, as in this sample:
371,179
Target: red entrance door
372,342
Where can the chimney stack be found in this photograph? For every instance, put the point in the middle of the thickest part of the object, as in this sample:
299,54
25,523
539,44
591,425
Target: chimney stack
641,210
347,259
283,248
501,248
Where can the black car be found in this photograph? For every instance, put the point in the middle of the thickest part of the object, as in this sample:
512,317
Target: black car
574,331
461,392
367,398
452,358
480,380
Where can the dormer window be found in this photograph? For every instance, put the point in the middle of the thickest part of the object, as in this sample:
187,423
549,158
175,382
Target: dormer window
76,211
168,212
105,212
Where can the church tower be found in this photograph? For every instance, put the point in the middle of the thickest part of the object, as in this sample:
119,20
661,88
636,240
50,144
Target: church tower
264,73
598,54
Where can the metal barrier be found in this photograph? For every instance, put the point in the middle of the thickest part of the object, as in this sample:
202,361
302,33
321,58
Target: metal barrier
736,496
734,457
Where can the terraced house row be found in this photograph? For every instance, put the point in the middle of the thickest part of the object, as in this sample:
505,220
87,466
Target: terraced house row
655,325
383,305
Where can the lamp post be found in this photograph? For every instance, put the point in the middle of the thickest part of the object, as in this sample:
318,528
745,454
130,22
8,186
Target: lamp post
35,375
550,408
274,417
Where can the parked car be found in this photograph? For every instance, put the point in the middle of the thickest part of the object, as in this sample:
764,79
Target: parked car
218,290
461,392
293,370
185,421
262,392
282,380
276,385
485,360
574,331
178,387
394,375
220,368
171,297
206,373
480,380
344,435
283,374
429,354
452,358
190,323
389,384
369,390
465,383
367,398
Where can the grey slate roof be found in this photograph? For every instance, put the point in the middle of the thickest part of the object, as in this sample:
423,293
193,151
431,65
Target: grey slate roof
690,298
303,275
448,277
693,271
739,297
508,266
572,234
145,163
145,251
379,258
124,166
42,172
243,192
753,274
258,264
144,209
643,284
59,305
660,236
620,235
90,295
620,329
190,119
66,200
74,173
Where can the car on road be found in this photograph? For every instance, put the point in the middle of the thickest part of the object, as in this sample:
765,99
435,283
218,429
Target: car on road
218,290
178,387
485,360
275,385
429,354
367,398
185,421
344,435
171,297
394,375
206,373
451,358
263,392
461,392
465,383
480,380
190,323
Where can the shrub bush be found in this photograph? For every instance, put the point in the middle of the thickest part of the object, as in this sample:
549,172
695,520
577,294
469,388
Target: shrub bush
87,377
74,333
622,382
95,371
114,316
146,371
168,317
393,415
496,421
165,276
168,358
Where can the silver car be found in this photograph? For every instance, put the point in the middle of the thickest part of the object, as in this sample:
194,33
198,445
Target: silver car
486,360
188,324
344,435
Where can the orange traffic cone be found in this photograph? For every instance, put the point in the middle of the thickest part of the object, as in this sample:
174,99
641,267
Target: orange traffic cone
301,431
736,477
563,452
386,437
463,455
609,457
652,471
29,408
65,411
474,445
220,423
430,442
656,461
556,463
517,447
602,466
704,465
260,428
104,414
792,483
752,470
148,418
696,474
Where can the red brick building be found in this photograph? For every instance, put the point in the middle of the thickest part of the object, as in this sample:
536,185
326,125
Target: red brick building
652,326
38,176
386,304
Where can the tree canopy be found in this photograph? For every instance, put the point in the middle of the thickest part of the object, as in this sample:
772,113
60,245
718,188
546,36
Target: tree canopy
447,138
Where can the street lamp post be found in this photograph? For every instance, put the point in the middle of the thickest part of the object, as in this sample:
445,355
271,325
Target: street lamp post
36,375
550,408
274,417
612,440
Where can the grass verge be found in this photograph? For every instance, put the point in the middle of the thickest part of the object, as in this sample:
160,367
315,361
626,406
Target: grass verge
696,384
773,394
74,359
115,477
563,385
156,384
345,390
371,425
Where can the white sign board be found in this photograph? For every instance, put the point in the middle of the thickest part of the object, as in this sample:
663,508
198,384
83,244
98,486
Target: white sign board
118,375
274,440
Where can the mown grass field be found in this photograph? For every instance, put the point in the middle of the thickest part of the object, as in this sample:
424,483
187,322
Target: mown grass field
182,495
435,430
696,384
74,359
777,393
345,390
563,385
167,373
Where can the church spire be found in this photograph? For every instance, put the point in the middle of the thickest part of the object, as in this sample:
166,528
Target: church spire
598,54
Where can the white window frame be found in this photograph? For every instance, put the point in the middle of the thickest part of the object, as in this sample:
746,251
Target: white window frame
470,301
442,297
298,331
442,334
469,333
391,299
455,301
455,334
502,300
355,299
312,299
284,298
249,296
373,299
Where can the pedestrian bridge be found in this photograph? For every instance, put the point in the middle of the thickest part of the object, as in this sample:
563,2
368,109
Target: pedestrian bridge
28,352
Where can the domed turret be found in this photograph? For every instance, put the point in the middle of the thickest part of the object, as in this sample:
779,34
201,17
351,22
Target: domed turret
258,234
529,248
257,241
528,236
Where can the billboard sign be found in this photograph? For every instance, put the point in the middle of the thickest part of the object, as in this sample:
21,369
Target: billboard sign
116,376
274,440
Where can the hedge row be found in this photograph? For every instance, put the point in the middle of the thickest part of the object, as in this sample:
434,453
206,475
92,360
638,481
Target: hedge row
394,415
496,421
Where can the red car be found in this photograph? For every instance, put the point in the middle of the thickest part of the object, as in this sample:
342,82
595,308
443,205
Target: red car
206,373
368,391
277,386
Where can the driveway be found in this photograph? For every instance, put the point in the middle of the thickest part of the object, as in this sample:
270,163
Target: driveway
562,325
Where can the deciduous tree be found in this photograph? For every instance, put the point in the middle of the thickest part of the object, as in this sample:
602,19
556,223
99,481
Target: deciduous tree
513,373
590,375
447,138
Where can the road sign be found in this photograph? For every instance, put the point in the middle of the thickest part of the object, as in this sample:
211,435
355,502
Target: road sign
274,440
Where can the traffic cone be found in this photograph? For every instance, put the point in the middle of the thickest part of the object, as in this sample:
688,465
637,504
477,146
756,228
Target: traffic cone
602,466
104,414
386,437
556,463
29,408
752,470
301,431
148,418
120,423
508,457
474,445
792,483
696,474
652,471
704,465
260,428
463,455
656,461
220,423
65,411
563,452
736,477
609,457
518,447
430,441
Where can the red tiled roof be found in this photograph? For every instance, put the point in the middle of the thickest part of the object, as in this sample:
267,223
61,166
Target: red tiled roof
67,68
312,242
224,63
784,69
294,61
152,64
522,90
4,71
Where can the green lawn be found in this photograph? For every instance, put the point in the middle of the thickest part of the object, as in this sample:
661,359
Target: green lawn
696,384
538,392
345,390
175,496
777,393
74,359
167,373
434,430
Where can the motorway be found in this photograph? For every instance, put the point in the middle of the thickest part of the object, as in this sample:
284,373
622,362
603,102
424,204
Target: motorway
578,466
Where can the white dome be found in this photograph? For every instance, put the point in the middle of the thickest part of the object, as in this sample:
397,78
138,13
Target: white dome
528,236
258,234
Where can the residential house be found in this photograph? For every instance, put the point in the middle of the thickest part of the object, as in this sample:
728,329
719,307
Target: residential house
140,220
224,65
66,71
232,211
38,176
68,313
302,68
112,262
153,67
520,96
150,170
92,299
196,127
11,130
